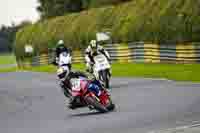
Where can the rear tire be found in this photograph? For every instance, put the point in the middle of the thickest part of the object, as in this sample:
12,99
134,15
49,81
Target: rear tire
98,106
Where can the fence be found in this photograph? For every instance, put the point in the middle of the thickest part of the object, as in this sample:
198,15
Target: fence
134,52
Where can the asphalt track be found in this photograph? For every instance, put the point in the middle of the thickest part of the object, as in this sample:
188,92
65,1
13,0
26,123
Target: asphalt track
33,103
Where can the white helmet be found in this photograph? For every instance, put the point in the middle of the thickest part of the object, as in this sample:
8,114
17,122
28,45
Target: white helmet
60,42
93,44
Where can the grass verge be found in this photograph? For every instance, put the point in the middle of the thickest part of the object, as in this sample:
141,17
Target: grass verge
7,59
179,72
10,69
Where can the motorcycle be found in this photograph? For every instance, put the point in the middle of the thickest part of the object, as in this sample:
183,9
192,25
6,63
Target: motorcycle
91,98
101,69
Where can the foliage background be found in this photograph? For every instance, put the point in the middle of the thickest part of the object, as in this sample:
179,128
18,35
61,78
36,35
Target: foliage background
160,21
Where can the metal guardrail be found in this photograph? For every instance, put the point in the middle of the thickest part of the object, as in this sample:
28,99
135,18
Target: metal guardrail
134,52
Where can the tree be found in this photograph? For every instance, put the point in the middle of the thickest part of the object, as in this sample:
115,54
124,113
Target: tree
7,36
100,3
52,8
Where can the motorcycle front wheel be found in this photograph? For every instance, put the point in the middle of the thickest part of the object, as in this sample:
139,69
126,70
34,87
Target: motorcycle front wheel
104,76
110,106
93,102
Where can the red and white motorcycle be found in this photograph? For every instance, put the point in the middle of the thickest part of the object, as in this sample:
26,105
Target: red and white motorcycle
94,98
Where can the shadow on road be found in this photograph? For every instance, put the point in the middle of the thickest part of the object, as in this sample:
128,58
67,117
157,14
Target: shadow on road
86,114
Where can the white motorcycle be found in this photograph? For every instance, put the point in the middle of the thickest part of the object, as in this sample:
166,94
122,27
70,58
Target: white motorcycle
102,70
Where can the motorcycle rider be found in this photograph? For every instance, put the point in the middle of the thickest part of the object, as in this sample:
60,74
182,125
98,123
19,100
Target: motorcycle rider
92,50
62,50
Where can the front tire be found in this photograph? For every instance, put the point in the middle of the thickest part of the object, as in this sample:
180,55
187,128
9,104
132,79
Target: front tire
105,76
98,106
111,106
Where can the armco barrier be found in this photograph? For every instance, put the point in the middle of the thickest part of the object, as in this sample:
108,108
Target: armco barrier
134,52
151,53
44,59
124,53
77,57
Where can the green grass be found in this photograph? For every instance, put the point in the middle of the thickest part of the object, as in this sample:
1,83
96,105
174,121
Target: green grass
7,59
179,72
10,69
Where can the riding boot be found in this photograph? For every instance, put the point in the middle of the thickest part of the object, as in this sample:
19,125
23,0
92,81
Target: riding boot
75,102
72,103
65,89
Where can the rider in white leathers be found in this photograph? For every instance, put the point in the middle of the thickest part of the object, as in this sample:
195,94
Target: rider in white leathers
92,50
